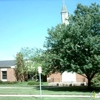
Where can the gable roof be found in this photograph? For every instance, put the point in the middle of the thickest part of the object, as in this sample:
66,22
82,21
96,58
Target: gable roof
7,63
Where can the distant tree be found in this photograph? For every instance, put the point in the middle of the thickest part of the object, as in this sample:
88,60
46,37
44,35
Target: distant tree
20,70
75,47
33,59
96,80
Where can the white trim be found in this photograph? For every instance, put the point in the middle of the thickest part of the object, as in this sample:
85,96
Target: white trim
3,69
4,80
12,66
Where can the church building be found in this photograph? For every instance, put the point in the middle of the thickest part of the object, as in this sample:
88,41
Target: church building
66,77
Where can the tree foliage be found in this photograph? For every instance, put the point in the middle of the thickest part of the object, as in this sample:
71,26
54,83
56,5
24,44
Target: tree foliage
76,47
32,58
20,70
96,80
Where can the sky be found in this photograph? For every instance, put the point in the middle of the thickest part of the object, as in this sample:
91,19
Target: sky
24,23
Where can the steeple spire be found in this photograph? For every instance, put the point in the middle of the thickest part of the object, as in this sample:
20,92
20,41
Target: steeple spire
64,13
64,7
63,1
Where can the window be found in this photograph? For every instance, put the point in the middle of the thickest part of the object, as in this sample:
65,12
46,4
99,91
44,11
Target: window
4,74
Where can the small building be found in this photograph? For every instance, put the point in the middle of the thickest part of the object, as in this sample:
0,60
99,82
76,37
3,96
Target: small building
7,72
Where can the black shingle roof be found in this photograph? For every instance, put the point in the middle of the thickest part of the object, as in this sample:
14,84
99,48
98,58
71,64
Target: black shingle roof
7,63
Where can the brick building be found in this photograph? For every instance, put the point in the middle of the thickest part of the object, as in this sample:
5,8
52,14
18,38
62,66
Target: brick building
7,72
66,77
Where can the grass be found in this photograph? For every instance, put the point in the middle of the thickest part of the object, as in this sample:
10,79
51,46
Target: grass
23,88
45,90
21,84
18,84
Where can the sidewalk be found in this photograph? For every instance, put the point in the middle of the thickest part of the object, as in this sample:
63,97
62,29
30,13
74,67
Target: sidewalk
45,96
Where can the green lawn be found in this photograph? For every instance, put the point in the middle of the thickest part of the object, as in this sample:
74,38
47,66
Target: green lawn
19,84
23,88
45,90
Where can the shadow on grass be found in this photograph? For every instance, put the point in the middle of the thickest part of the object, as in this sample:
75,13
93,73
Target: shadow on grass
70,88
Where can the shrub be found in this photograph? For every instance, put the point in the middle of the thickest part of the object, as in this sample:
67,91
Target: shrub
14,82
82,84
7,82
33,83
1,82
96,80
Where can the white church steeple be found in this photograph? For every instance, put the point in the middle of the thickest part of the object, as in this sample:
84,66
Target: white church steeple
64,14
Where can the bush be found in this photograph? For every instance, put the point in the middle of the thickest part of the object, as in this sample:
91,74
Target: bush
7,82
1,82
96,80
33,83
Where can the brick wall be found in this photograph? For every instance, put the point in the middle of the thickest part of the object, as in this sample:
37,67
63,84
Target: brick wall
80,78
56,77
11,74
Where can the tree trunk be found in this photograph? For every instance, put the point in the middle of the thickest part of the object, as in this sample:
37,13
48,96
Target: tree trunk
89,82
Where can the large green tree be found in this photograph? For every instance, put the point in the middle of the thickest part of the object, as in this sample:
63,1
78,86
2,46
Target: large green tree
75,47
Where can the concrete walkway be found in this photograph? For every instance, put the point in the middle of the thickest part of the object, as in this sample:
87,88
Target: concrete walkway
84,96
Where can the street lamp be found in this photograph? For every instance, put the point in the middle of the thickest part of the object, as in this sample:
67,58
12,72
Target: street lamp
40,71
